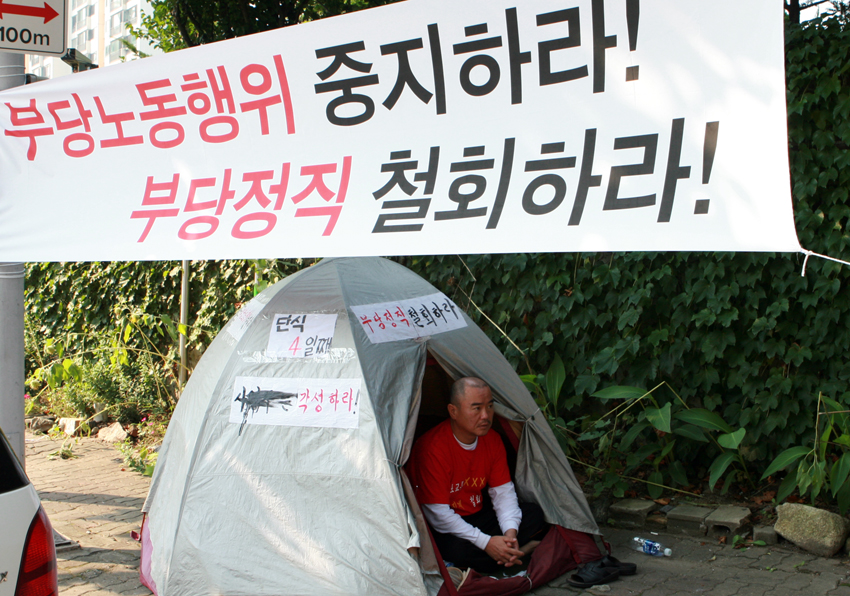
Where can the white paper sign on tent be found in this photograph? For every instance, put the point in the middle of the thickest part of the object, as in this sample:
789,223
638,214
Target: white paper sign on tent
301,335
409,319
239,324
323,403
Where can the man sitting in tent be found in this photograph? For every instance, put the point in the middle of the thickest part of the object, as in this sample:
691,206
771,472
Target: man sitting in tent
451,465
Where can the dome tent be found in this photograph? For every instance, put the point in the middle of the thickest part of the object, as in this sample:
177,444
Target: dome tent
256,491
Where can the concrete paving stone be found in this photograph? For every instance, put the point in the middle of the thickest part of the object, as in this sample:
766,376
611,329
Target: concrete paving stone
728,521
657,591
134,587
547,591
761,577
841,590
834,565
78,590
766,534
688,520
726,587
751,552
797,559
753,590
140,590
631,513
803,581
656,522
769,563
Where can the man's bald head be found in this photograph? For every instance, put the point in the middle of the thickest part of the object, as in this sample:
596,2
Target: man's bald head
461,385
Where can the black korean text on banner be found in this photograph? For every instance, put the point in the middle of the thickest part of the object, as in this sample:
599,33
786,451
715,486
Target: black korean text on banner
555,173
348,75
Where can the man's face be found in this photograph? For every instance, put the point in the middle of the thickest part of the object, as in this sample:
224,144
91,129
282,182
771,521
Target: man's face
473,416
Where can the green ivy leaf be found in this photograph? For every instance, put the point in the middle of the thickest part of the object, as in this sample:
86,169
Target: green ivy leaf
555,377
704,419
691,432
839,472
654,490
620,393
632,434
787,487
843,498
785,459
659,417
169,327
718,467
678,474
732,440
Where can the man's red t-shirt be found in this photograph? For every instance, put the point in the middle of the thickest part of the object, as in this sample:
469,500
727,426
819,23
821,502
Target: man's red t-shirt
444,473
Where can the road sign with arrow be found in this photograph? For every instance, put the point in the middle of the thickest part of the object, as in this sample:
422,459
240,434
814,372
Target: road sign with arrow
33,26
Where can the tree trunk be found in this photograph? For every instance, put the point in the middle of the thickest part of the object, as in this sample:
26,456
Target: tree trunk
793,8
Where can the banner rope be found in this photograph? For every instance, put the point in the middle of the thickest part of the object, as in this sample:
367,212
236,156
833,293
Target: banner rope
809,253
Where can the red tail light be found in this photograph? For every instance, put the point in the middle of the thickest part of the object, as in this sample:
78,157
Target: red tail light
38,565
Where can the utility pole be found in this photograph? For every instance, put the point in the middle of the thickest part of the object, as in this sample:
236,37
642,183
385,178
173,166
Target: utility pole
12,74
184,320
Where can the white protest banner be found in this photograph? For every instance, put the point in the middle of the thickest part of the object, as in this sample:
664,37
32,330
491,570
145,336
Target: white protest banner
409,319
325,403
300,335
423,127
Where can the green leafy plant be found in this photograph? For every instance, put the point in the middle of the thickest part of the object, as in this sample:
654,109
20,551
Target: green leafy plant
653,434
739,542
546,390
66,450
823,467
142,461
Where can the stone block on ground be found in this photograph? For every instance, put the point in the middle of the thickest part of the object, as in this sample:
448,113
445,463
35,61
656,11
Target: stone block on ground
70,426
114,433
728,521
631,513
40,424
766,534
817,531
656,521
688,520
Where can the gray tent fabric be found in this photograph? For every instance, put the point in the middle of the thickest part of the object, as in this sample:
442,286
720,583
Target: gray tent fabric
266,509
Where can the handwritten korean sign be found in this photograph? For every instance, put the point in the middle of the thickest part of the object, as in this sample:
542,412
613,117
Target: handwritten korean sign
301,335
325,403
239,324
422,127
409,319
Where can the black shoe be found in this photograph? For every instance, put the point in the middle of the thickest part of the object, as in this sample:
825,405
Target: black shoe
622,566
593,574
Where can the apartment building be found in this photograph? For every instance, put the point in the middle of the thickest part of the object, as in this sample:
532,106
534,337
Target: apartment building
96,28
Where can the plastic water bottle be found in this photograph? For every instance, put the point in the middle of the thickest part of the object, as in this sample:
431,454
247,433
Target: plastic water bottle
656,549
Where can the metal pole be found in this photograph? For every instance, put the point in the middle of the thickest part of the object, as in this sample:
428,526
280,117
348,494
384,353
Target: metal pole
184,320
12,74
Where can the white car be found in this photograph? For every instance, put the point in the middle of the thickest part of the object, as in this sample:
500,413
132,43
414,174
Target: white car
27,552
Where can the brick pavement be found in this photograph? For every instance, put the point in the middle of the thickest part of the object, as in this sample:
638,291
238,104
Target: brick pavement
90,500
